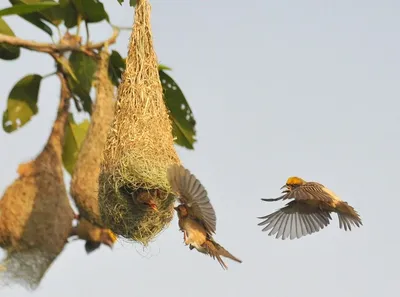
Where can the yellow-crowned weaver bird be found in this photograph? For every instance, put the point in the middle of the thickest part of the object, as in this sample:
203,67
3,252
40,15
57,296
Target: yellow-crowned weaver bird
309,211
93,235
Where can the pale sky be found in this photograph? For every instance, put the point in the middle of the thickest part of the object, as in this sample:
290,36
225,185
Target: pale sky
278,88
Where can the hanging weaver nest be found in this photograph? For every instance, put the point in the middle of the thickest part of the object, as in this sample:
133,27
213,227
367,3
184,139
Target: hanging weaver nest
35,214
139,145
84,184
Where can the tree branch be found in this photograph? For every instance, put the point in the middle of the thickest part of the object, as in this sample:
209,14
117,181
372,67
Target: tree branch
57,48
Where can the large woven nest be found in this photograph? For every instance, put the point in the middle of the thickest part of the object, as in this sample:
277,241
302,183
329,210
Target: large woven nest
35,214
84,184
139,145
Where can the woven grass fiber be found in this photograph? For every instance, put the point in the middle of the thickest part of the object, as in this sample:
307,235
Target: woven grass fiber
84,184
139,145
35,213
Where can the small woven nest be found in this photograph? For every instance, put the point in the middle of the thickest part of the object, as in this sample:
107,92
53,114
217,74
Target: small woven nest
140,145
35,214
84,184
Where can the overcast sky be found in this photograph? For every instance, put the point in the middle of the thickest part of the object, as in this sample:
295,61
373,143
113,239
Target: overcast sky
278,88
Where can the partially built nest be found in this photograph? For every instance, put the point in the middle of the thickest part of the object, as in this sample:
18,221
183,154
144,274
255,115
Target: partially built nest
84,184
139,146
35,214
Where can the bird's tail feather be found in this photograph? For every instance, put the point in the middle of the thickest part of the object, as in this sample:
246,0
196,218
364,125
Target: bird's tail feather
227,254
221,262
224,253
348,216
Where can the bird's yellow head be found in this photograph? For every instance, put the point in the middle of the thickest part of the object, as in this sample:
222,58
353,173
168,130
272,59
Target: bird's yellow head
293,182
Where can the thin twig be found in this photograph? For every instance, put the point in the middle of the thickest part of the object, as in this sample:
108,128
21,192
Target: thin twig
87,33
49,74
56,48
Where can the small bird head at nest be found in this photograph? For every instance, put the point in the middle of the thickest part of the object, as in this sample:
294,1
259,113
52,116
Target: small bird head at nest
181,210
292,182
140,197
150,203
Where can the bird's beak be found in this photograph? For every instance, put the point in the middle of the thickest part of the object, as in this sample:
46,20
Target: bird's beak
109,244
176,208
154,207
284,186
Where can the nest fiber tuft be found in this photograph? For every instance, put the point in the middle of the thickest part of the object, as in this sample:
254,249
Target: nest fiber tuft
35,214
84,184
139,145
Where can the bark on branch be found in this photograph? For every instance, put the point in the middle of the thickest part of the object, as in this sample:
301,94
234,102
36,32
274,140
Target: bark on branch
57,48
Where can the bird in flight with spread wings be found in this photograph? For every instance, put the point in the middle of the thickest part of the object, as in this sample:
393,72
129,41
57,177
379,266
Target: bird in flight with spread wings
309,211
197,219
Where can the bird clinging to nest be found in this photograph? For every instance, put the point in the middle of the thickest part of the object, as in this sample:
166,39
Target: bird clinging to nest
309,212
141,198
93,235
197,219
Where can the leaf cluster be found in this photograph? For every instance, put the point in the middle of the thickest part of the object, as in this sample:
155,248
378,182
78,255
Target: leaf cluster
52,16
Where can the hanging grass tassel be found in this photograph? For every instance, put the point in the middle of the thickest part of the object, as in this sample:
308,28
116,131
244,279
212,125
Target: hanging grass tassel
35,213
133,182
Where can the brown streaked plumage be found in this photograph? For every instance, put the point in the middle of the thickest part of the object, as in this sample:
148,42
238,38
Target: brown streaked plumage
141,198
309,212
197,219
93,235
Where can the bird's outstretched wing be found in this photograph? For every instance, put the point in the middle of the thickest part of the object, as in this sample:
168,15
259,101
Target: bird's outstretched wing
295,220
308,191
192,193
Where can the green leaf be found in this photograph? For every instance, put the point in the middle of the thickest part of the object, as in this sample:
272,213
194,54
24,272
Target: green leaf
22,103
116,66
163,67
183,123
70,13
54,14
66,68
21,9
74,137
8,52
92,11
34,18
84,67
131,2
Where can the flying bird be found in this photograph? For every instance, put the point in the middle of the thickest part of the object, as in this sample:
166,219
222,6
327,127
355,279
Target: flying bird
309,212
197,219
93,235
